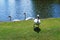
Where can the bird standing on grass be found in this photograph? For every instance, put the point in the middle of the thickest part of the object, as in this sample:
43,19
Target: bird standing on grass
36,24
37,21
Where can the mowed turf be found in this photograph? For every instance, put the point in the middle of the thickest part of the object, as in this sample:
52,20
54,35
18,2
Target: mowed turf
24,30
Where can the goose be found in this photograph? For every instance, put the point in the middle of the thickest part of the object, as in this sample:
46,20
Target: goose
36,20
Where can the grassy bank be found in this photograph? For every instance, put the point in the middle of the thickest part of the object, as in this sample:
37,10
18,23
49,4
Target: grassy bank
23,30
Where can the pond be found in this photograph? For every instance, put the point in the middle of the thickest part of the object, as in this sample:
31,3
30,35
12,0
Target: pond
17,8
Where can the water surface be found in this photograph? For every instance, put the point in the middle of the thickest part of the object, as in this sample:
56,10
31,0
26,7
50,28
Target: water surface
17,8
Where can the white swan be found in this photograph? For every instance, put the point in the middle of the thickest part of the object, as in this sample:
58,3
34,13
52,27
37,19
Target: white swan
16,20
29,18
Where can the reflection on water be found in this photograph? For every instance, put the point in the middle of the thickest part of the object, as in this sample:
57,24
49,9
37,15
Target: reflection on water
56,10
17,8
47,9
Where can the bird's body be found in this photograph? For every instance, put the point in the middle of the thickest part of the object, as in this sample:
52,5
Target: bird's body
29,18
36,20
16,20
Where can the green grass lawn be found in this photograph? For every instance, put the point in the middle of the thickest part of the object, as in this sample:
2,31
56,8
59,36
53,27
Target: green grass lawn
23,30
